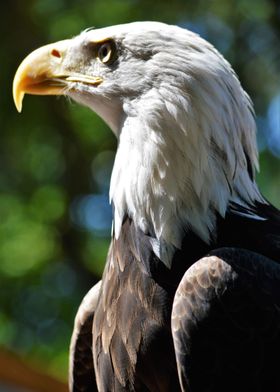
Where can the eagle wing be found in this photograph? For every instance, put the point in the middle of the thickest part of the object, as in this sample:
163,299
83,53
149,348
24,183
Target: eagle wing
81,370
226,323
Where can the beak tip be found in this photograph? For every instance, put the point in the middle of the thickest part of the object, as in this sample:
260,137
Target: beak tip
18,98
18,94
19,107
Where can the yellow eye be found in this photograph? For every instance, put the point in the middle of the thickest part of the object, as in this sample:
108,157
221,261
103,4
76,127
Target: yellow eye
107,52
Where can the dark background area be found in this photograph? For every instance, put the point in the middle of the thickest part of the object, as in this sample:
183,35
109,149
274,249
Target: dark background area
56,157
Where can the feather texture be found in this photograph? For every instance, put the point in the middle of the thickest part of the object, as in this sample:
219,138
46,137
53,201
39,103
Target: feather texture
225,323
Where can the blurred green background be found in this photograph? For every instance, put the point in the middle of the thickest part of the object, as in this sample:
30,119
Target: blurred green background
56,157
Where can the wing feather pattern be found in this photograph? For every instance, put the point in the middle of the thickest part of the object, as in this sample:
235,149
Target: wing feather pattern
226,323
81,370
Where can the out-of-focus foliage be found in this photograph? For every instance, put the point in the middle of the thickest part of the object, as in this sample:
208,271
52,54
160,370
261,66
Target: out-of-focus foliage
56,157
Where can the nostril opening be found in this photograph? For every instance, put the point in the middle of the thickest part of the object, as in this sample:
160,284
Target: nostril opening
55,53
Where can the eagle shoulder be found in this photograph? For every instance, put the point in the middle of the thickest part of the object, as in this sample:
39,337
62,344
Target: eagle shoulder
225,323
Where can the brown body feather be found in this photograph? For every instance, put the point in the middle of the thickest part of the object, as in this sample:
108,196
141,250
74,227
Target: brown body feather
131,329
133,348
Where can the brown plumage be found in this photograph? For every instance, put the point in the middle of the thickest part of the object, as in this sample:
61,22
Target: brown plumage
226,305
225,323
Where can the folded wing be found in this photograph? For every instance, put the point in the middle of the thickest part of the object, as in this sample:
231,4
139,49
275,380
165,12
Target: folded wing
226,323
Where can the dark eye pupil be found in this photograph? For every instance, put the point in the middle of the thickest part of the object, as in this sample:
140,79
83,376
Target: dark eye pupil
104,51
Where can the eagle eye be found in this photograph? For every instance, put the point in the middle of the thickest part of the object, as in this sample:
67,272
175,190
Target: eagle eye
107,52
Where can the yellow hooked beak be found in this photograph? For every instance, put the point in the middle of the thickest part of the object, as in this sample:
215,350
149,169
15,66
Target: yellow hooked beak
43,72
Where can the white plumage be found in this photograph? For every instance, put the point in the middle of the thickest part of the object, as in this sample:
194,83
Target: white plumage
184,125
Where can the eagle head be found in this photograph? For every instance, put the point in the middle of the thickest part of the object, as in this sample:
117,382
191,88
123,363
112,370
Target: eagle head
186,128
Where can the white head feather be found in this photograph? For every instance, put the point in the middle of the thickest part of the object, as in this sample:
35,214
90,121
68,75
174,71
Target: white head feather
186,132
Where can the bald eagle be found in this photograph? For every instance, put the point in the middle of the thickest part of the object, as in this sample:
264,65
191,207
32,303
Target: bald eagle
190,295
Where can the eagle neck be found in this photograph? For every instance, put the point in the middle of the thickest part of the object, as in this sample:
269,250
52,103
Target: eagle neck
170,178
